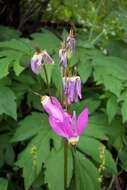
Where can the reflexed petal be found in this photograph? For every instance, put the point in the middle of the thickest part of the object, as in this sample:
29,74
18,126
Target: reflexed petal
53,108
63,57
78,87
82,121
57,127
47,58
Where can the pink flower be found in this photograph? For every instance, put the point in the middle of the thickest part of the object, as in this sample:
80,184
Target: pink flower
72,88
38,59
63,57
62,123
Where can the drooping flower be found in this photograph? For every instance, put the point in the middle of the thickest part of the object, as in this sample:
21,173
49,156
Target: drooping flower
70,42
38,59
62,123
36,62
72,88
63,57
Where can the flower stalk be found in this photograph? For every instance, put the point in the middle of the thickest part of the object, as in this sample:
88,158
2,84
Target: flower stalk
47,81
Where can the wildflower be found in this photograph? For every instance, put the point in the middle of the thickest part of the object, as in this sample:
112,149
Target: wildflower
70,42
63,57
62,123
36,62
72,88
38,59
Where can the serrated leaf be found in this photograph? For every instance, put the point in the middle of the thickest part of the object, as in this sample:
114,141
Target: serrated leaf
17,67
7,102
107,69
30,126
97,127
111,107
91,103
84,70
36,153
86,174
46,40
57,159
86,145
4,65
124,105
18,45
3,184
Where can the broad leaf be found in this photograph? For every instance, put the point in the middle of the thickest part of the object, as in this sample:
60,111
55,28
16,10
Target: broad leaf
7,102
55,169
86,174
112,107
90,146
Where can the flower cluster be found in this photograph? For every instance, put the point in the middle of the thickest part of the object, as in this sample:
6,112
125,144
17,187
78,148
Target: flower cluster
60,120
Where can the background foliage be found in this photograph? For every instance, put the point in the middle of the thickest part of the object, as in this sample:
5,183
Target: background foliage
31,155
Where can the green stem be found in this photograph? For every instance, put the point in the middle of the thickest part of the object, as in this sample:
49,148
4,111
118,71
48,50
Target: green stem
74,165
48,86
65,163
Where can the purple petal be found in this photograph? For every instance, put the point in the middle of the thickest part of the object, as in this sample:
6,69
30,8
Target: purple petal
63,57
47,58
57,127
53,108
36,66
82,121
78,87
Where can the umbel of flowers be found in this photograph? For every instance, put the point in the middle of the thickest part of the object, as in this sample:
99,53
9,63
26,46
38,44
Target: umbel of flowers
63,122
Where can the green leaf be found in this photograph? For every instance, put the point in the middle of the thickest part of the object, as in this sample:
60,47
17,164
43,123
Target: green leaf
86,174
46,72
4,65
17,67
91,103
85,70
7,33
57,80
111,107
123,158
56,160
124,105
30,126
115,86
9,155
46,40
107,69
86,145
7,102
18,45
36,153
97,127
33,156
3,184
